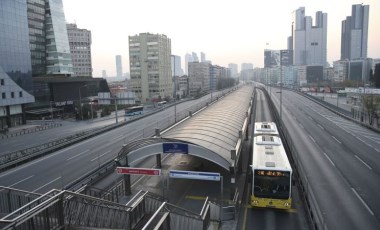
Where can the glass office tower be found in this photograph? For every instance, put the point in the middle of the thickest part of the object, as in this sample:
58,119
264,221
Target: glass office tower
15,63
49,41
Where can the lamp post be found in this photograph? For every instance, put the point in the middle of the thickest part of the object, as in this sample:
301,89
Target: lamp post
51,110
117,121
80,101
281,96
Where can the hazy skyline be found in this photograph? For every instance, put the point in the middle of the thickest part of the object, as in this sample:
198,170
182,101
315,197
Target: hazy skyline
226,31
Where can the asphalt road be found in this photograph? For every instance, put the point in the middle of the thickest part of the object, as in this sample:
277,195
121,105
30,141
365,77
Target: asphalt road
64,166
340,159
71,127
260,218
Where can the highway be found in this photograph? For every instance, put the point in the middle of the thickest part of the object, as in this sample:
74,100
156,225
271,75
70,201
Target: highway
340,158
64,166
259,218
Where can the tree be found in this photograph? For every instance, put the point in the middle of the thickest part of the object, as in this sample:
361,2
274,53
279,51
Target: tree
371,104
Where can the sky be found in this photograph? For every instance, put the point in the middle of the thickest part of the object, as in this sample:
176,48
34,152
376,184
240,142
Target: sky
226,31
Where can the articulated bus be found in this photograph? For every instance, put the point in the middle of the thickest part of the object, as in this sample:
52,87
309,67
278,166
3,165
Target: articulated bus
135,110
271,174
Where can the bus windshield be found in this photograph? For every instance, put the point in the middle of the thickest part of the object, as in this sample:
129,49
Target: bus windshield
272,184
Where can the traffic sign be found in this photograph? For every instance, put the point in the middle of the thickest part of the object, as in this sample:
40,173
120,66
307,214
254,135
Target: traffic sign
138,171
194,175
175,148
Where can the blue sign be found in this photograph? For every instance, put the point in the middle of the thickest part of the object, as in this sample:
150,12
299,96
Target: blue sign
194,175
175,148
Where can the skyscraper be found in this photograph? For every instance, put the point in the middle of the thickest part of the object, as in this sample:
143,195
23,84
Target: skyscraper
119,66
49,44
195,57
188,58
203,57
80,49
309,42
234,69
104,74
15,63
245,66
176,65
149,58
354,39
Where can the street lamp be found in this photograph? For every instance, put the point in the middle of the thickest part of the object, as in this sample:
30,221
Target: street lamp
80,101
51,110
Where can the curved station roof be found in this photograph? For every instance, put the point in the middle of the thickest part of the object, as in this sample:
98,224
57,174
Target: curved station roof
214,133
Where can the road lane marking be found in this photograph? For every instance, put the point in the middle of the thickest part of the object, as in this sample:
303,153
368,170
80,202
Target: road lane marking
47,184
195,197
336,140
377,150
364,203
77,155
328,158
312,139
301,125
320,126
21,181
101,155
363,162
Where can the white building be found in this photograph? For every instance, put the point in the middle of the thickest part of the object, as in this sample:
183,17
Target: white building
150,71
188,58
246,66
80,48
203,57
309,42
233,68
176,65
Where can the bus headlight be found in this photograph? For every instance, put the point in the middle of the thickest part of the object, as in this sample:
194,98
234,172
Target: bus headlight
255,202
286,204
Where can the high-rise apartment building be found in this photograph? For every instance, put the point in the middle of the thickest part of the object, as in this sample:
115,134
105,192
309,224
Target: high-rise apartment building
199,77
15,63
176,65
119,66
49,42
233,68
149,60
354,39
309,42
80,49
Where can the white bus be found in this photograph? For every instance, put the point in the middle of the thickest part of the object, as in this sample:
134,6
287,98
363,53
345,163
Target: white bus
161,103
268,128
271,174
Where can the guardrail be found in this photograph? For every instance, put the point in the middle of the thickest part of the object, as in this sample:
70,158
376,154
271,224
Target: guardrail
4,134
314,213
339,111
16,158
